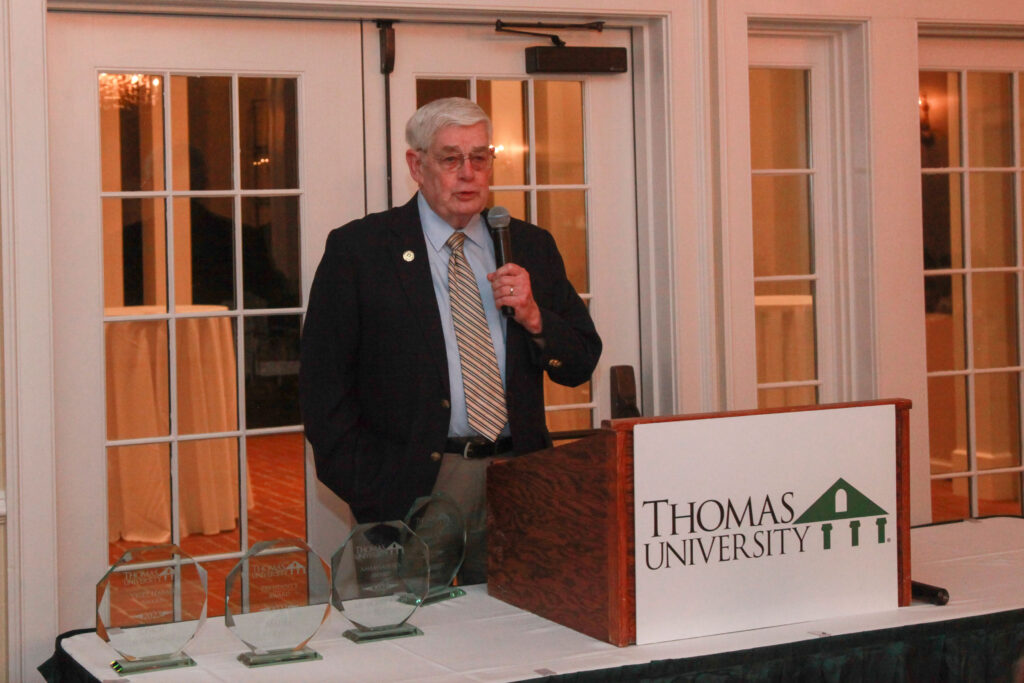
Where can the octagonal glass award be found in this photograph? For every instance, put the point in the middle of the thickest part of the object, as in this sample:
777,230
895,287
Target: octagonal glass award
276,599
381,575
149,606
438,521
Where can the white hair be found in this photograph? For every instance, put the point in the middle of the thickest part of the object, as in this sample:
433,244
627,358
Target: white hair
429,119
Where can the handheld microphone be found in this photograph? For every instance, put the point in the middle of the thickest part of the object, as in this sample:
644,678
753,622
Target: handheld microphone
497,220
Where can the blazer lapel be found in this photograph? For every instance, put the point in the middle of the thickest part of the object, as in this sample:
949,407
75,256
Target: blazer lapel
409,254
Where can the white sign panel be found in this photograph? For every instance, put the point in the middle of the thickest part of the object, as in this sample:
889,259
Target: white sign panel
759,520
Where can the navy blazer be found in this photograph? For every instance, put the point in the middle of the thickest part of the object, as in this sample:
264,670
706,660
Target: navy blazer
374,376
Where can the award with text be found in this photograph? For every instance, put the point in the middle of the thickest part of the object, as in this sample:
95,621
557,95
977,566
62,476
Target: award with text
149,606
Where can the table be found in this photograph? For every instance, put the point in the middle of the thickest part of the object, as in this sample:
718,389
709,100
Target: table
138,476
479,638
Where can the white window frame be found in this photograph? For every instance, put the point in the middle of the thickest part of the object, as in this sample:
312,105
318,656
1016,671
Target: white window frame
945,53
838,120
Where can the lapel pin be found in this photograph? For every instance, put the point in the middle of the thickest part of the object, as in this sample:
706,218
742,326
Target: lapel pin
408,256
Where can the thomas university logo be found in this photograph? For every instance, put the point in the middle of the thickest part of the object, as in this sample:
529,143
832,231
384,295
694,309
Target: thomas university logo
842,501
714,531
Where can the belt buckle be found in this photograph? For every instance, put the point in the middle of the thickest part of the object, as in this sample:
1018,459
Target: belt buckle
472,443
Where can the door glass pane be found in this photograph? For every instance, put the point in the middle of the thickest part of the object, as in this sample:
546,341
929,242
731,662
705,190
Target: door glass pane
207,394
209,495
268,133
784,320
134,253
138,496
989,119
782,225
790,396
564,214
947,423
216,574
137,379
950,499
558,118
992,220
505,103
430,89
131,132
998,420
517,203
942,209
944,322
939,105
277,474
272,370
778,118
270,252
994,316
569,420
999,494
559,395
201,132
204,251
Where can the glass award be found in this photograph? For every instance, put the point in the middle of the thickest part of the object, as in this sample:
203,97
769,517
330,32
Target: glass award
438,521
381,575
149,606
276,598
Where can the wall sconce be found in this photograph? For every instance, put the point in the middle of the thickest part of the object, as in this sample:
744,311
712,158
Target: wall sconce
927,135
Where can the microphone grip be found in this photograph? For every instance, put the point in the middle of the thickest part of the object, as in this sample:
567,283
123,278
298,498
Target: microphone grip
503,255
936,595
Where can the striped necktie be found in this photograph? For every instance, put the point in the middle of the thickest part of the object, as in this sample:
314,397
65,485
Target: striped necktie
485,397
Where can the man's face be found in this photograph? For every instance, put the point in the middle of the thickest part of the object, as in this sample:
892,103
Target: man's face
459,194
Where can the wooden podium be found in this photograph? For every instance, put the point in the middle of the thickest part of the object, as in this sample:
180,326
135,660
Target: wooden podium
560,526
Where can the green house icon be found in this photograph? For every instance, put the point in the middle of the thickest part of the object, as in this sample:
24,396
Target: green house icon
843,501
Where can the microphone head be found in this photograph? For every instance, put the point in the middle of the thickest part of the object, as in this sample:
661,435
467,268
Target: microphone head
498,217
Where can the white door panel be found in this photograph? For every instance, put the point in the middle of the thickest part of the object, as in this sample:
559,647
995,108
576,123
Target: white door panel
475,53
322,56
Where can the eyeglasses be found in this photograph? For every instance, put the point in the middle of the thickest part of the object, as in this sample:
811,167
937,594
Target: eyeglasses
480,161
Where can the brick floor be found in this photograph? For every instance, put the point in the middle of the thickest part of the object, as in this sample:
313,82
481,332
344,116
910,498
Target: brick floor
277,510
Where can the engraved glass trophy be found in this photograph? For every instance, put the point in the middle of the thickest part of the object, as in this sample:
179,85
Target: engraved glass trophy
276,599
438,521
381,575
149,606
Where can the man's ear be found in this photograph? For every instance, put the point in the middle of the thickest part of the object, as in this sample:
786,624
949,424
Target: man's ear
412,158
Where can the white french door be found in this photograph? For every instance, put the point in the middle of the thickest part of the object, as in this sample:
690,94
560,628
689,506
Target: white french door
197,164
564,161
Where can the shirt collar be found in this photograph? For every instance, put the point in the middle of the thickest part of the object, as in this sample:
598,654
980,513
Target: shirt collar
437,230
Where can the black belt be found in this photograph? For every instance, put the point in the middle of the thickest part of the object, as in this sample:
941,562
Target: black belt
477,446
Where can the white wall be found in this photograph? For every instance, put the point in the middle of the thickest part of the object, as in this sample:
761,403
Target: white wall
690,208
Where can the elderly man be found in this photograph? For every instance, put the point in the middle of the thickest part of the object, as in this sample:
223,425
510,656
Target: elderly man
412,380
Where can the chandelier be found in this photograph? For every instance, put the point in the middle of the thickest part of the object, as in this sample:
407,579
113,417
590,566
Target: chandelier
124,91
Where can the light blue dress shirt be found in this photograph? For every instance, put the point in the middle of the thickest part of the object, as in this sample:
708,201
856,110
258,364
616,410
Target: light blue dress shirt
479,250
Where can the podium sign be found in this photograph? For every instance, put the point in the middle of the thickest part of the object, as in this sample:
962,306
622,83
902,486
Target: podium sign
758,520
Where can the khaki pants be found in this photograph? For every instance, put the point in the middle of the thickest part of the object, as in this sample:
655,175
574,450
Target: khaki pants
465,481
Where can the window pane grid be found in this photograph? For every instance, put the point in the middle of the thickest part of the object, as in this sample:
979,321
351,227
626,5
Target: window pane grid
784,275
987,113
551,165
172,312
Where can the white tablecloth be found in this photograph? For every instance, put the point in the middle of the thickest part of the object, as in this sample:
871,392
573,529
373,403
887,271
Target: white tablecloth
479,638
138,477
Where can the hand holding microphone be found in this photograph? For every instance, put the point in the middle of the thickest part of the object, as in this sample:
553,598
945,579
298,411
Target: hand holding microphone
510,282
